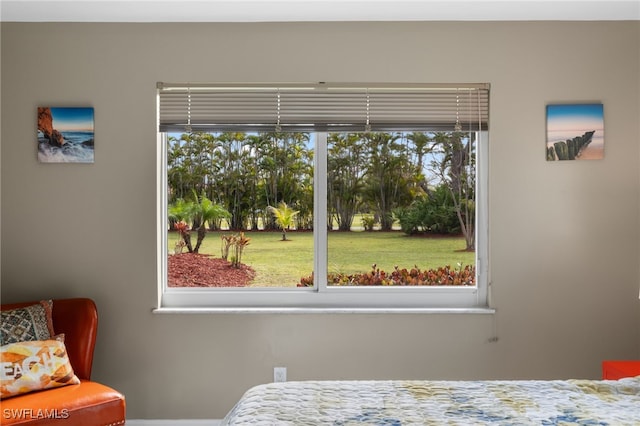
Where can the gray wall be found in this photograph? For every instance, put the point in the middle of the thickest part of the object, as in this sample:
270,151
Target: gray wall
564,236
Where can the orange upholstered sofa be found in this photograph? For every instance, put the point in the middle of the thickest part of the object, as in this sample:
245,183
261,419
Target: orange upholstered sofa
86,404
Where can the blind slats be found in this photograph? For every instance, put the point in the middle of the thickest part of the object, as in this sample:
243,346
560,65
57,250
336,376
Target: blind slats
322,108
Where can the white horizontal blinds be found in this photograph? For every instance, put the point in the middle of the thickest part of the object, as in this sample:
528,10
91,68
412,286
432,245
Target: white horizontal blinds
322,107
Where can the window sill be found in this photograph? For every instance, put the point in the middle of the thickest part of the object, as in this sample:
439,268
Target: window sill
319,310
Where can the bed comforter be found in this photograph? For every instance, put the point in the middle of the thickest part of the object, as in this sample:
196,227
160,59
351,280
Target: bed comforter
395,403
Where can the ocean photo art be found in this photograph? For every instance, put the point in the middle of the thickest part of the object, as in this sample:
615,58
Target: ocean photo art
575,132
65,135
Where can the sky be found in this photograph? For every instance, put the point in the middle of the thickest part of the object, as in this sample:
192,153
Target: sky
582,117
72,119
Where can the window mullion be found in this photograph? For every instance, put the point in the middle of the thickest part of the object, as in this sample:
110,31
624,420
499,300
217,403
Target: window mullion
320,212
162,214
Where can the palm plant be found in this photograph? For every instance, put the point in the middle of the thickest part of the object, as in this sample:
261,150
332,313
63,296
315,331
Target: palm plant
178,211
199,213
179,214
284,216
206,211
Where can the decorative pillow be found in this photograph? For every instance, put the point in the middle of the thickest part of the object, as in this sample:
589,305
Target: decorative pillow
29,323
31,366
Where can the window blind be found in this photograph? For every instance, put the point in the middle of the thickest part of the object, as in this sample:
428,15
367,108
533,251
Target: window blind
334,107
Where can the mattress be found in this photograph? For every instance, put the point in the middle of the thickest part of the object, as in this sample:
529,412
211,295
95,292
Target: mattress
395,403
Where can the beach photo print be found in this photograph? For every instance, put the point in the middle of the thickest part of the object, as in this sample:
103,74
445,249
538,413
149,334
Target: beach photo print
575,132
65,135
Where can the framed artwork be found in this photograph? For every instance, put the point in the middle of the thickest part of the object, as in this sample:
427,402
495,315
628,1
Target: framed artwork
575,132
65,135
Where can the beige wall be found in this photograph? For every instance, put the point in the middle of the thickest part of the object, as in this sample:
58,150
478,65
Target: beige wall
564,236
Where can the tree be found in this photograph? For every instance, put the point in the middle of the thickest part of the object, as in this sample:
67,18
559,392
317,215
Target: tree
346,166
255,145
206,211
390,176
286,166
456,168
198,212
422,145
233,183
189,165
283,215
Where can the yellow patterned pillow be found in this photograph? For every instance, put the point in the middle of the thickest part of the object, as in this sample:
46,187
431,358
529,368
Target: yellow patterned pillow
30,366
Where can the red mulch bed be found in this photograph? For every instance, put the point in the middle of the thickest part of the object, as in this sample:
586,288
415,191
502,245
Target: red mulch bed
201,270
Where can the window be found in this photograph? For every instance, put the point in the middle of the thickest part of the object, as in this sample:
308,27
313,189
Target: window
330,196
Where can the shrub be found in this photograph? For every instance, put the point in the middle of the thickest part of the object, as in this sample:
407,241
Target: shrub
433,213
368,222
446,275
236,241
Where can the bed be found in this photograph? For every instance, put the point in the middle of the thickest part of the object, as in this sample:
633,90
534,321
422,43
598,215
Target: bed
395,403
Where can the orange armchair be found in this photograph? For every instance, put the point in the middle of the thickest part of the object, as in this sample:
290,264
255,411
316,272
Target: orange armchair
87,404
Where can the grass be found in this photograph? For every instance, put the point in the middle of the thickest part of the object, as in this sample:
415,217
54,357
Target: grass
283,263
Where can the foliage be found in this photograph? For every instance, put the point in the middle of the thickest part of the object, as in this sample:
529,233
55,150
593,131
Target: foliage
346,169
185,239
373,173
236,241
178,211
244,173
284,216
391,177
446,275
368,222
198,212
226,240
457,171
434,213
279,264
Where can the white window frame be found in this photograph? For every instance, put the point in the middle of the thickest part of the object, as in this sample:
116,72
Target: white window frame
322,297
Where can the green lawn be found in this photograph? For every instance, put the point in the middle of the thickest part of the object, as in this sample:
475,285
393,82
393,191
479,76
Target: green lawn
282,263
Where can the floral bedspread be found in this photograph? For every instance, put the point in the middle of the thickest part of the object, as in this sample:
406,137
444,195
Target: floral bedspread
395,403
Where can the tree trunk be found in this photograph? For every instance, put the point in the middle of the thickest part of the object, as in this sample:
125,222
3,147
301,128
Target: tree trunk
186,237
202,232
